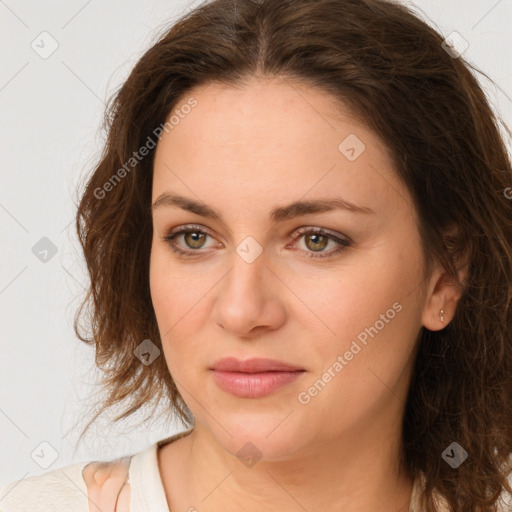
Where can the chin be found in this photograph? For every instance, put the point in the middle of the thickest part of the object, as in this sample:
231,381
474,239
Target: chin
262,436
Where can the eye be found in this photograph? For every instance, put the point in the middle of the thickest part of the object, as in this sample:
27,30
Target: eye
194,237
316,239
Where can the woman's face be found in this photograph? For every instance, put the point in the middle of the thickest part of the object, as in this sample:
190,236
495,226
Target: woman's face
345,306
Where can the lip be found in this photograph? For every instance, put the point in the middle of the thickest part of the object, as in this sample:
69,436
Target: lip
254,365
253,378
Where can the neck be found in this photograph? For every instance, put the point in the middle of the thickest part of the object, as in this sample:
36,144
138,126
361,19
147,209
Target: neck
354,476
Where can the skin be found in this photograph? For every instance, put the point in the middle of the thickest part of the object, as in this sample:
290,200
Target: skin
243,151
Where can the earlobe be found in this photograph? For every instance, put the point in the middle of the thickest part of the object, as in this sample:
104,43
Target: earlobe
441,303
445,289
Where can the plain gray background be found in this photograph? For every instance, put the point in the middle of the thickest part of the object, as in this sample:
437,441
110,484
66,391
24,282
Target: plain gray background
51,111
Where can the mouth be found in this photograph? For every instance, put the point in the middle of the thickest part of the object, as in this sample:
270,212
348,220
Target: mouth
253,378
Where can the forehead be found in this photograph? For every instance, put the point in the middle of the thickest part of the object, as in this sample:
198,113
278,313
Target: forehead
261,107
270,138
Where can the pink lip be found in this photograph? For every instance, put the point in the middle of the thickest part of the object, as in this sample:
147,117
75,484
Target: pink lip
253,378
232,364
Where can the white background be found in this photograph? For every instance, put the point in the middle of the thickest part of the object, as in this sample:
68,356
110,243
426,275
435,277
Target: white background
51,111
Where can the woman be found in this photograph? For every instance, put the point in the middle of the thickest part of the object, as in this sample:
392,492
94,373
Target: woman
299,234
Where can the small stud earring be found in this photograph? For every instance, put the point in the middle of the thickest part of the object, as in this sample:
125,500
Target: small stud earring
442,315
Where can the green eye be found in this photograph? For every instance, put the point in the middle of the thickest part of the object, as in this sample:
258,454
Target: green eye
316,239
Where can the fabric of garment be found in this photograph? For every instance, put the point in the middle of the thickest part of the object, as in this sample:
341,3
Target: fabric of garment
126,484
66,489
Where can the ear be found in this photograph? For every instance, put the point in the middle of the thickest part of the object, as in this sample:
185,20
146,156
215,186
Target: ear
444,292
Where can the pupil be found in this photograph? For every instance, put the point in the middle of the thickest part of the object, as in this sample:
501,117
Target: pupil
317,237
195,237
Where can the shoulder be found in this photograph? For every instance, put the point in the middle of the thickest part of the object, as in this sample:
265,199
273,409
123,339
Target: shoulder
72,488
49,491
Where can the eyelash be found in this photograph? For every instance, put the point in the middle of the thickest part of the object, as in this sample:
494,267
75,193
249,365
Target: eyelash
169,239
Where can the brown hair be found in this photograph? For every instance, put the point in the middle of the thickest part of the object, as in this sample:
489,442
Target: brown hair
391,69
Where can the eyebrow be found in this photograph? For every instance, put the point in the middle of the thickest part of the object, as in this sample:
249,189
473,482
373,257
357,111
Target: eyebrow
278,214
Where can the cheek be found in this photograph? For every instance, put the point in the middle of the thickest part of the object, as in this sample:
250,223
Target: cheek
364,368
367,311
172,288
376,321
159,280
180,307
169,293
341,301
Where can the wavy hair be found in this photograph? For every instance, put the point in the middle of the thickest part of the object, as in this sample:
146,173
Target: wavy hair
394,71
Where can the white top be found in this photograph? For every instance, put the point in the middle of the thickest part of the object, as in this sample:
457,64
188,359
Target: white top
65,489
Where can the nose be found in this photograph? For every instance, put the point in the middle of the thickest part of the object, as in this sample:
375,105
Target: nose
250,297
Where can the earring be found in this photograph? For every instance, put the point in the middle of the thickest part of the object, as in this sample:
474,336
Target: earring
442,315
